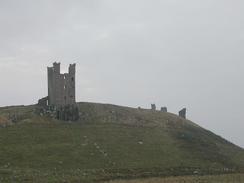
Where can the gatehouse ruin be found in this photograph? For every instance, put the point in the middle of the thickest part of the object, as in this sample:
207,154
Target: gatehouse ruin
61,87
61,93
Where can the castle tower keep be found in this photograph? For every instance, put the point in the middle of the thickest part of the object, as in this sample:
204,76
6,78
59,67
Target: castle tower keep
61,87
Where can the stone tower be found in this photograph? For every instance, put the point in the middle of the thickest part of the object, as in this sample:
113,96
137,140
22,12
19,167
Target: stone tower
61,87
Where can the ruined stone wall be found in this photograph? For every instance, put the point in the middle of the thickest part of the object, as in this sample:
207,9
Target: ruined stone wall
182,113
43,102
61,87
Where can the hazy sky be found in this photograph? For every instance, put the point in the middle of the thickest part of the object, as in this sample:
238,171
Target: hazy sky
173,53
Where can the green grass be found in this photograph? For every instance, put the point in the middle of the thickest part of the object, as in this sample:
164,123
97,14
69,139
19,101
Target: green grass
231,178
110,142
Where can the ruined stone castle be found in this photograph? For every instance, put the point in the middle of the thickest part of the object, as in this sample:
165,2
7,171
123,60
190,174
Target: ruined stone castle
61,93
61,102
61,87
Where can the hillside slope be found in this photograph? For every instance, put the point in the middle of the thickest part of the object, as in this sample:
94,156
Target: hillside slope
109,142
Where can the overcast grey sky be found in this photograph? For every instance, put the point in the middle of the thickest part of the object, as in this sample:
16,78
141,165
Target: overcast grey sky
173,53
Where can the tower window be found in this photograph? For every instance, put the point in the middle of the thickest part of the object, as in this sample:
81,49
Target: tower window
72,79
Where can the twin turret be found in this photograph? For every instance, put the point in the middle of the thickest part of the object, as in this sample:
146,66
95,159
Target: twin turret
60,101
61,87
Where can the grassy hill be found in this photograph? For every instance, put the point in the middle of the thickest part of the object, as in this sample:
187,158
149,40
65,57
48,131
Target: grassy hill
109,142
